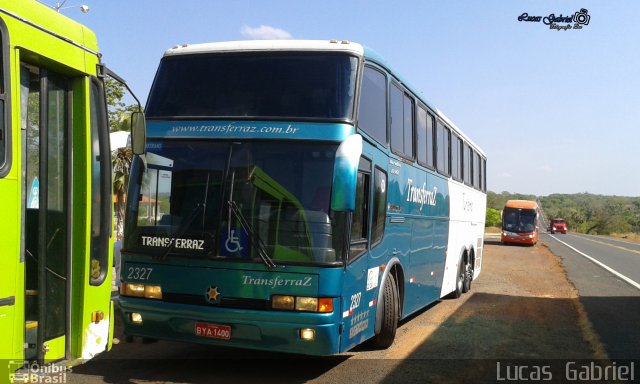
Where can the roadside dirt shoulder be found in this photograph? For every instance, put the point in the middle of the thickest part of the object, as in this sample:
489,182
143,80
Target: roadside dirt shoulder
522,308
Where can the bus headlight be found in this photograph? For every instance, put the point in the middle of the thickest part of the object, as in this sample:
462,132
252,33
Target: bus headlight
282,302
307,304
302,303
153,292
141,290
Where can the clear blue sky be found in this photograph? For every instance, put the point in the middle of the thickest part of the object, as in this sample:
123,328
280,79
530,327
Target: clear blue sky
556,111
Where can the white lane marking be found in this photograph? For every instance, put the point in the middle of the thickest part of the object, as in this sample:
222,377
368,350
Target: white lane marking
620,275
604,241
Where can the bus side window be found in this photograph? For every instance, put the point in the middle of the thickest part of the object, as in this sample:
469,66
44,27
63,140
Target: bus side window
456,157
372,115
396,112
443,138
360,218
401,111
100,186
4,134
431,146
466,164
379,205
421,136
476,171
484,175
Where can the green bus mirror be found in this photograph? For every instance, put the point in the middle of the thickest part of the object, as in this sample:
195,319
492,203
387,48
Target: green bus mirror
138,133
345,174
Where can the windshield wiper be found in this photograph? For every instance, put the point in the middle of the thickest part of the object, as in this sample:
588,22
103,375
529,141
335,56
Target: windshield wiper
183,227
260,247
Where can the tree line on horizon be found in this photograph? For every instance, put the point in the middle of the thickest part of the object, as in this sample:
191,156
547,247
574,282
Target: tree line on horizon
583,212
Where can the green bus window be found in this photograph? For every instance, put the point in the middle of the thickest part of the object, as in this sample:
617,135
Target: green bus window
3,97
57,203
30,122
100,187
379,205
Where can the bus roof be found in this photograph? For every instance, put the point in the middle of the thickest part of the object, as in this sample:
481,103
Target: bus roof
54,23
313,46
268,45
523,204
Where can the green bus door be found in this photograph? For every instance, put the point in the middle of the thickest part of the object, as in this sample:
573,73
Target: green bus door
46,114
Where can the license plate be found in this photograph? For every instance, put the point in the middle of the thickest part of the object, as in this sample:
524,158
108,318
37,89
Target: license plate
213,331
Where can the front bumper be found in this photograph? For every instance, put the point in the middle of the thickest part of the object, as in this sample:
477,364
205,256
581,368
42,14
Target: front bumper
516,238
253,329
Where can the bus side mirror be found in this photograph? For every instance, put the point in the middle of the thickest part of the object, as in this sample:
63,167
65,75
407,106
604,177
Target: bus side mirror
345,174
138,133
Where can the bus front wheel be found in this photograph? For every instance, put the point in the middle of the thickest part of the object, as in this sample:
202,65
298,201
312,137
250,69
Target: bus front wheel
384,339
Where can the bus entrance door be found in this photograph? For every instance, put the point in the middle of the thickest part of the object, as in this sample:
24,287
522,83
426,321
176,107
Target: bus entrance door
359,293
355,309
45,105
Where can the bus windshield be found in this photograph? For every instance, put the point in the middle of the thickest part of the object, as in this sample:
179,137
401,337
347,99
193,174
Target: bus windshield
242,201
255,85
519,220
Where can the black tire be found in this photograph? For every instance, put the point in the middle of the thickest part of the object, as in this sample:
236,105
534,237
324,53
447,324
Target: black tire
468,277
390,314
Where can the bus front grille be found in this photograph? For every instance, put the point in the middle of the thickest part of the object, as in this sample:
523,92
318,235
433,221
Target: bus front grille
225,302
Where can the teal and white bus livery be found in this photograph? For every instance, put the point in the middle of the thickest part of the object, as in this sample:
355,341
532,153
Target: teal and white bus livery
296,196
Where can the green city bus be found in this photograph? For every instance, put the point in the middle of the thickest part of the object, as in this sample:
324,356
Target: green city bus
55,184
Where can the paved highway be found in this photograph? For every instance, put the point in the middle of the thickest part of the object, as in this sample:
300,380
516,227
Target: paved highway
606,273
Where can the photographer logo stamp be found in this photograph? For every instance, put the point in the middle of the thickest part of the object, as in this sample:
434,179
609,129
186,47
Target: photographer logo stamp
577,20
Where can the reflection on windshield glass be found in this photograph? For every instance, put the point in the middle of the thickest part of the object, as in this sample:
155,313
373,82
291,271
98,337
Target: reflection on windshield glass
156,190
255,85
281,191
519,220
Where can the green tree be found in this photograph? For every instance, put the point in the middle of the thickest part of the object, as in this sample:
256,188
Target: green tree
493,218
121,162
596,214
115,105
119,120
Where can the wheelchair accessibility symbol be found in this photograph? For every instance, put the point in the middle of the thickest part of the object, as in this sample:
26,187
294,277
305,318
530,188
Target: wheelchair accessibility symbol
234,242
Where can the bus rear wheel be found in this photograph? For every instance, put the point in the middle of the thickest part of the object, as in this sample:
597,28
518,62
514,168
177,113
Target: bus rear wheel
460,278
468,277
387,334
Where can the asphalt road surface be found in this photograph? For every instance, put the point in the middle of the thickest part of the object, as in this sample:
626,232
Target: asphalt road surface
606,273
